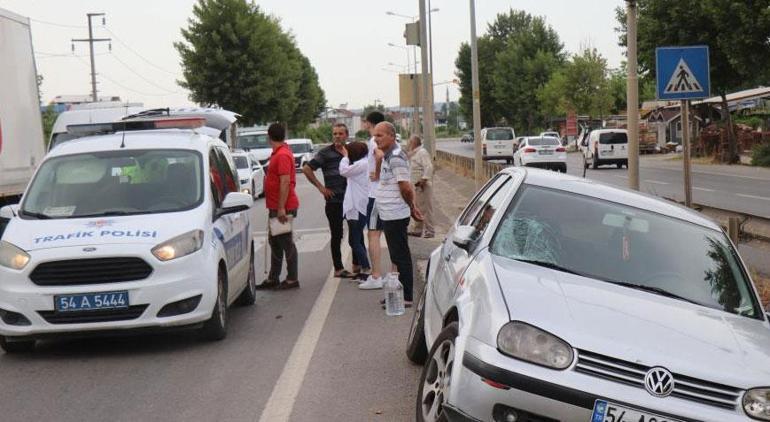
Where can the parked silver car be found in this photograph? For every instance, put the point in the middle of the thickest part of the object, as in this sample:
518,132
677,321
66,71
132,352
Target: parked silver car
555,298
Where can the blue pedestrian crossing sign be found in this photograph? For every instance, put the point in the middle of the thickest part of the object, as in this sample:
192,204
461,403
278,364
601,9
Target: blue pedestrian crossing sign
682,72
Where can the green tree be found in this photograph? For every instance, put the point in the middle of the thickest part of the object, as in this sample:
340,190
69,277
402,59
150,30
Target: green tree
736,32
582,85
236,56
517,57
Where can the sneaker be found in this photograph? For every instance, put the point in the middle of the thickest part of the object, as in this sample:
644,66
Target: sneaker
371,283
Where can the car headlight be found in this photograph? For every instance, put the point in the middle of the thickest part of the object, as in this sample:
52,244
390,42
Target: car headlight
179,246
523,341
756,403
12,256
246,190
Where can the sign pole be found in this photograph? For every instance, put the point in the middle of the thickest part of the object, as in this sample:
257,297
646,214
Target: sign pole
685,106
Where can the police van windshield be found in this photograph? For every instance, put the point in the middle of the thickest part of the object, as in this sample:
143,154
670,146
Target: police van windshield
253,141
123,182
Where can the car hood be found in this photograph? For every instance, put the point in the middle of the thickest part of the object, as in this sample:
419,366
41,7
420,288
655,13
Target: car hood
637,326
32,235
244,173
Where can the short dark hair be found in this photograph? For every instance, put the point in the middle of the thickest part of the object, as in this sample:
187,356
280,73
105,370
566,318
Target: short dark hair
375,117
344,126
356,151
276,132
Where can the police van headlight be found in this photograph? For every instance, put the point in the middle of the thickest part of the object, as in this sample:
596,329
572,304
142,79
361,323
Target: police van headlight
12,256
179,246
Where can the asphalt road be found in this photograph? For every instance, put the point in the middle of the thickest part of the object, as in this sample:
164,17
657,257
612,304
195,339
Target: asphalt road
352,354
734,188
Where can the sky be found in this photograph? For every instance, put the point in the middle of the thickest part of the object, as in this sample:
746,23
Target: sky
345,40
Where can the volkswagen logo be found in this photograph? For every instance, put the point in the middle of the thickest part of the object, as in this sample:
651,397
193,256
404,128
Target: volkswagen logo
659,382
89,249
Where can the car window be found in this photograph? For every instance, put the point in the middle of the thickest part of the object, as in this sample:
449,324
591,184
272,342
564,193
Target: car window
469,216
301,148
620,244
492,206
544,141
227,167
613,138
216,179
253,141
499,135
241,162
117,182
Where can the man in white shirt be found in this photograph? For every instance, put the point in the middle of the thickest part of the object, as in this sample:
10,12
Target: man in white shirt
422,179
374,224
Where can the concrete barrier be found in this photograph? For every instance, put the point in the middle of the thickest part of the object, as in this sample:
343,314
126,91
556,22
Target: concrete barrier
463,166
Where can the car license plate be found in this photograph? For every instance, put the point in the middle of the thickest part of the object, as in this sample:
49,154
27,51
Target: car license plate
545,152
91,301
501,146
611,412
609,152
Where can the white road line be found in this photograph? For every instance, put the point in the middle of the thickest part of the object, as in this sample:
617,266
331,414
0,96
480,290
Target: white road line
281,402
657,182
764,198
703,189
622,177
764,179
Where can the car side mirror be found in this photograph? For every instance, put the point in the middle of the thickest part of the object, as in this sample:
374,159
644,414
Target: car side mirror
9,211
464,236
235,202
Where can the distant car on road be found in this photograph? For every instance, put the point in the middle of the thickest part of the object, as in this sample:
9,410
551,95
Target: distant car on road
467,137
256,142
553,134
250,174
497,143
303,151
605,146
127,231
544,152
554,298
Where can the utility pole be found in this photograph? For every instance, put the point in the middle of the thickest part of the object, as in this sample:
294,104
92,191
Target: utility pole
632,97
477,162
428,116
91,40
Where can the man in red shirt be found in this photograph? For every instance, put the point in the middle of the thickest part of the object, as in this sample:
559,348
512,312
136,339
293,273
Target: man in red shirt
282,203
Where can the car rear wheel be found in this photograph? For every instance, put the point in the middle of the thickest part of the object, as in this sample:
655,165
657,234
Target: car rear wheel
595,162
254,193
619,165
249,294
17,346
416,350
216,327
436,378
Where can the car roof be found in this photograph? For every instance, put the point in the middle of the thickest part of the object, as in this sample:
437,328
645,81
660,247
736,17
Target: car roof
600,131
594,189
144,139
299,141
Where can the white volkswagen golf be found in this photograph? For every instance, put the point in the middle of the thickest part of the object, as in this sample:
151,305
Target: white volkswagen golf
131,230
558,299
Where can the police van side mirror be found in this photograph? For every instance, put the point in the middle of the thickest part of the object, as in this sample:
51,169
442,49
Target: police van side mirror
235,202
9,211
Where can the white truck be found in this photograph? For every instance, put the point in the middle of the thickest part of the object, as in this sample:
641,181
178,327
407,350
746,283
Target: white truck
21,127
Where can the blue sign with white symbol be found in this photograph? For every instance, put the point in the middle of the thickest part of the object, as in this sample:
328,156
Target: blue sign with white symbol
683,72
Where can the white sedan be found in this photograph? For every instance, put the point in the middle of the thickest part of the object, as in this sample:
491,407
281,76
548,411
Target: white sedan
251,175
541,151
557,298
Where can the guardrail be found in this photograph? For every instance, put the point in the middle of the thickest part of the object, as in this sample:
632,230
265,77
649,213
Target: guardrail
749,226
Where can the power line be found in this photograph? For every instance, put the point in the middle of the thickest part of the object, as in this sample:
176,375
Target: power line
137,54
142,77
58,24
83,62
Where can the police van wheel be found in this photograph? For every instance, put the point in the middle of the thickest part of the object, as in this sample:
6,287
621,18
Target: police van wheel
17,346
249,294
216,327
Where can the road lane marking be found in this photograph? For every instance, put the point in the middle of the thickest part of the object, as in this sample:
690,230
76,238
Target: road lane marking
764,179
311,243
657,182
764,198
622,177
281,402
703,189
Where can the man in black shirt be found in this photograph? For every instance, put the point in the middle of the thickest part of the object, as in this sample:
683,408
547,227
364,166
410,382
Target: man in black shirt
333,190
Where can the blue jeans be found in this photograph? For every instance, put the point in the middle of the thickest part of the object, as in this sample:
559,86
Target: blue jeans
356,241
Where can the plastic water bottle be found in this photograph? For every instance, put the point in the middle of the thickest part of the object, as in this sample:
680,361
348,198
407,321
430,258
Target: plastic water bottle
394,295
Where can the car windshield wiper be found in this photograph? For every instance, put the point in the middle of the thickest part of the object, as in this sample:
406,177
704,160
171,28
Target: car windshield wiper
550,265
655,290
111,213
38,215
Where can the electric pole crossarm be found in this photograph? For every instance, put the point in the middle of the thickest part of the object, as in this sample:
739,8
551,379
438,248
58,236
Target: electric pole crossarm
91,40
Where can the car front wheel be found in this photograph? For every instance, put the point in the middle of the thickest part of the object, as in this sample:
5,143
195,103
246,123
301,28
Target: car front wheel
416,350
435,382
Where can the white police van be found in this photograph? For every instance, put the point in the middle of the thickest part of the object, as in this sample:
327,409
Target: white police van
142,228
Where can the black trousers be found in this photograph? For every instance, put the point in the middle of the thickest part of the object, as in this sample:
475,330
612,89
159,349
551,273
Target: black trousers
400,255
280,245
336,222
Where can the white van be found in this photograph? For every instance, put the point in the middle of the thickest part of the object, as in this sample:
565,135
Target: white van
256,142
497,143
134,230
88,114
303,151
605,146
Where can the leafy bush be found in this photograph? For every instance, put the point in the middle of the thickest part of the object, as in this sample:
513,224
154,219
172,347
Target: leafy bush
760,155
